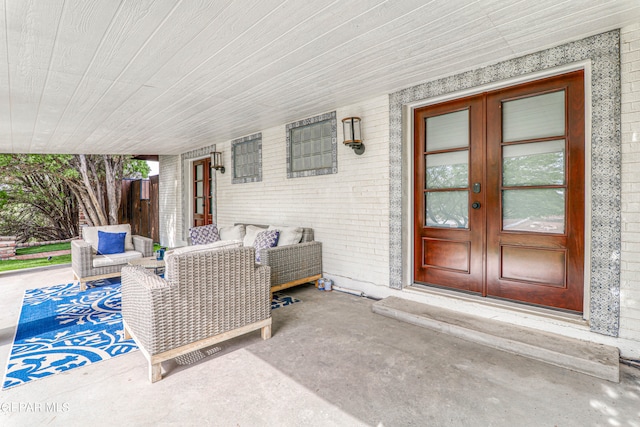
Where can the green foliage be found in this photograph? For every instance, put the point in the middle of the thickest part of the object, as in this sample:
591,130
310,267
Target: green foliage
44,248
534,169
136,169
4,196
448,208
41,193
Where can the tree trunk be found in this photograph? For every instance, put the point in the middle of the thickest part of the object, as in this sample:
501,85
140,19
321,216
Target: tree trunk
113,174
92,196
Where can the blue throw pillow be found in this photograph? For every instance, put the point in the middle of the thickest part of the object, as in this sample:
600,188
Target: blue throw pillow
110,243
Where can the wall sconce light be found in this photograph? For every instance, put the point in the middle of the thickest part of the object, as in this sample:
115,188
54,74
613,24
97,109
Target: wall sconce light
216,161
352,135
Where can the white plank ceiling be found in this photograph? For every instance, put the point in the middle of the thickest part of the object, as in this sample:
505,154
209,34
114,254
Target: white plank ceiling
167,76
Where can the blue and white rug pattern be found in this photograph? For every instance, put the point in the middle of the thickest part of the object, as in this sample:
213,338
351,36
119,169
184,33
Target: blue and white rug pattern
281,300
61,328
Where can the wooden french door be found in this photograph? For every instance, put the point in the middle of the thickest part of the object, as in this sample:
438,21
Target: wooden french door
202,201
499,193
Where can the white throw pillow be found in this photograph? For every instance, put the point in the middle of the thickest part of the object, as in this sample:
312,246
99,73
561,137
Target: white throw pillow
250,234
288,235
90,235
231,232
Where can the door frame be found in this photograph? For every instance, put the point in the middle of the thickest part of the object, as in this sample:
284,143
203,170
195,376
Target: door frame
187,185
408,152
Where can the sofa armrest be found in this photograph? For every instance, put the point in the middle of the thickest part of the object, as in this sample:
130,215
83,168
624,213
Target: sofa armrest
293,262
141,291
143,244
81,258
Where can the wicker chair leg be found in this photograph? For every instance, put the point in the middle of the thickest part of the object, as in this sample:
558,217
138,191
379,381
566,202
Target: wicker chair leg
265,331
127,335
83,286
155,372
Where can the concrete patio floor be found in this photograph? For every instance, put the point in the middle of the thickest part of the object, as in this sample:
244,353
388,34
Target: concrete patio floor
330,362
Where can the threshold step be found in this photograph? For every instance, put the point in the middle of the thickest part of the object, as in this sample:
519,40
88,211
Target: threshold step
598,360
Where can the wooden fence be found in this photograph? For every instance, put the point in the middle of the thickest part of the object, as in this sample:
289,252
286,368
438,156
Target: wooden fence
139,206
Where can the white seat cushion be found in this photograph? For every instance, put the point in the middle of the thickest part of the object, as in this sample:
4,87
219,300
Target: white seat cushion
221,244
115,259
211,247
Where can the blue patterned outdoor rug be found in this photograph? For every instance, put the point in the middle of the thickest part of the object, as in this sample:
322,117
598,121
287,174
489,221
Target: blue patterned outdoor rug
281,300
61,328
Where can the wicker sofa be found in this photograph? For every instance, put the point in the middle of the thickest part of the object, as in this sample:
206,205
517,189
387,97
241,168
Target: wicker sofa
293,265
208,296
87,266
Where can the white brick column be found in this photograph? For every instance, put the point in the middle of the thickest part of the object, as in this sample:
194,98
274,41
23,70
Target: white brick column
630,267
170,200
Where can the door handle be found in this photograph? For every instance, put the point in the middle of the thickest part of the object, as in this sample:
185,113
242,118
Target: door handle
475,205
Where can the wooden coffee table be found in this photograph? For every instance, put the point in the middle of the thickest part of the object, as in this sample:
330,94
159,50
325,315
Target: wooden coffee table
149,262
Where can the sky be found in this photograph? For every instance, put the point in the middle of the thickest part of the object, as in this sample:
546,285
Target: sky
154,168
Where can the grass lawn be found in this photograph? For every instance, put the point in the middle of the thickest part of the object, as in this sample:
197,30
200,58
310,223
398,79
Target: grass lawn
43,248
9,265
19,264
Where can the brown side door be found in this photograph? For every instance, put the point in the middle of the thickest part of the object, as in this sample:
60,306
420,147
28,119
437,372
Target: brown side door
509,222
202,203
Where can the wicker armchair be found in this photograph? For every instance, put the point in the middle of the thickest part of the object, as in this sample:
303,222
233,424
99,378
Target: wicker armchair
83,256
208,297
294,265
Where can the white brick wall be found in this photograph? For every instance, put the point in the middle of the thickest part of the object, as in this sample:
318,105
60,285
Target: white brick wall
349,211
169,195
630,271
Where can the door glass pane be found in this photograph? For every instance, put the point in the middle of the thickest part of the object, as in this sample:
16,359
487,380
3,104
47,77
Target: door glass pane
538,163
534,210
448,131
534,117
199,172
447,209
200,205
448,170
199,189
